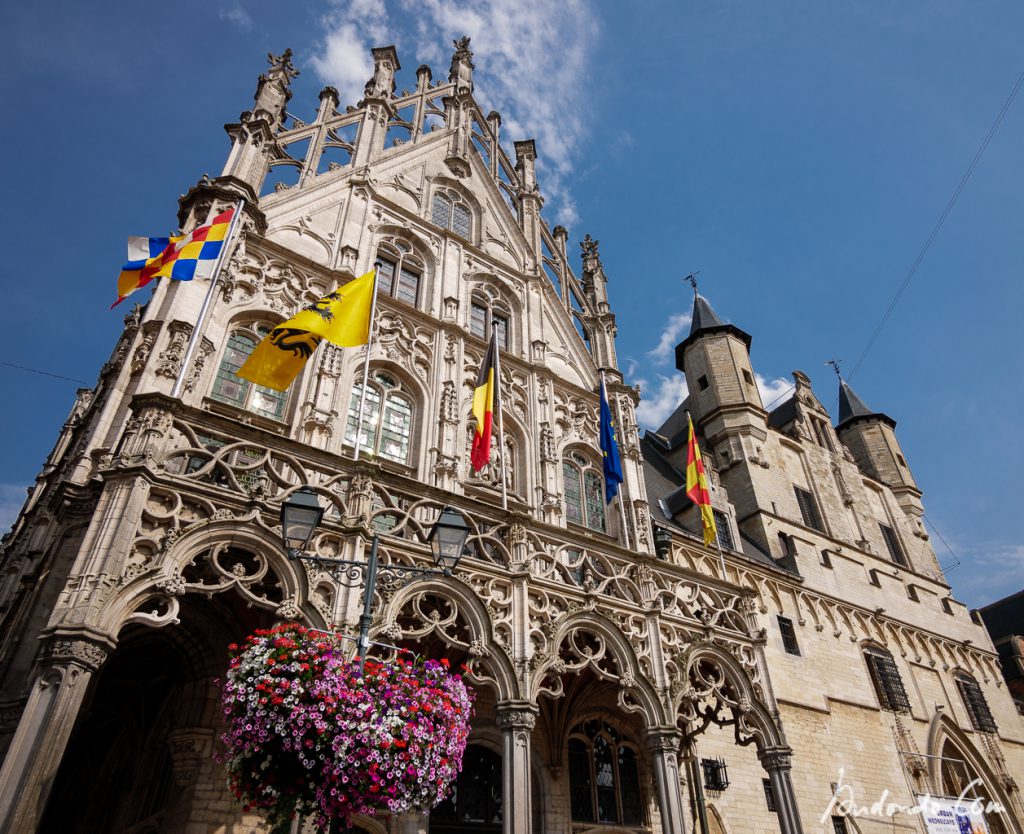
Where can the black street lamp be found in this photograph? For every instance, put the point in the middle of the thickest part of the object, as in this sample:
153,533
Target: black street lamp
302,513
300,516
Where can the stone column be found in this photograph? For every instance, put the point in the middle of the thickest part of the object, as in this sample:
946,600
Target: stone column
663,747
49,717
516,720
777,761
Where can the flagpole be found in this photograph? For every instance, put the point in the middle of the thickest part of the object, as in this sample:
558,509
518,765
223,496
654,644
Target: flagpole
501,419
366,362
622,494
201,320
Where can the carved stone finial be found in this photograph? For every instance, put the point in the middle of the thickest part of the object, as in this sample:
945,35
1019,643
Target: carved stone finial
461,72
385,65
281,66
589,247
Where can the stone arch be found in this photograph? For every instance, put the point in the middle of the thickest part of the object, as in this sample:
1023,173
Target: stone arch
164,587
467,626
716,823
716,681
612,659
944,730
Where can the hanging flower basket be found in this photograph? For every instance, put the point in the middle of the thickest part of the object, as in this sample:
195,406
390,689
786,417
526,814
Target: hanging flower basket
308,734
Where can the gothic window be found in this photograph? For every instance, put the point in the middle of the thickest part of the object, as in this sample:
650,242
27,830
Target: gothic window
788,635
977,706
400,273
449,211
476,800
822,434
604,776
584,492
886,679
722,526
486,312
228,387
892,544
387,418
809,509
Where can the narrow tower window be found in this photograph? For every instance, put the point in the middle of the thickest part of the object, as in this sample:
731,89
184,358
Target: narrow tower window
977,706
788,635
892,542
809,509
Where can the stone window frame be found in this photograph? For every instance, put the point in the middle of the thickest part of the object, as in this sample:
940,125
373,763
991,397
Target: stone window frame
788,633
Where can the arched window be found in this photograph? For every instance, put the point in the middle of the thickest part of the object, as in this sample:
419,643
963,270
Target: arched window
487,311
584,491
886,679
401,271
228,387
387,418
977,706
604,776
449,211
476,801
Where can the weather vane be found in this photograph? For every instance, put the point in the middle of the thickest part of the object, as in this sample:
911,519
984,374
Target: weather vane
692,279
835,366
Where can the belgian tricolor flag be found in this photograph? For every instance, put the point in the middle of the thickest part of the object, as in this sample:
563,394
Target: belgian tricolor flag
486,400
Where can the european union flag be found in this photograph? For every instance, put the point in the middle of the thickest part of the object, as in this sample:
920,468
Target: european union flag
609,450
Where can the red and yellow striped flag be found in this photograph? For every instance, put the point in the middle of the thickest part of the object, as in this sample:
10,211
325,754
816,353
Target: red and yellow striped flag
486,400
697,486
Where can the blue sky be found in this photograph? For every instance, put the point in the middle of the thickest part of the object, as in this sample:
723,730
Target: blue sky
797,153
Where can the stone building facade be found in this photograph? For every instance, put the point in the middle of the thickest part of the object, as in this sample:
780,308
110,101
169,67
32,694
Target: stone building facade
621,678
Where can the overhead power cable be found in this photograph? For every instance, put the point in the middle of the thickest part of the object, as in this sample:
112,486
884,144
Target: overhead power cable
44,373
938,226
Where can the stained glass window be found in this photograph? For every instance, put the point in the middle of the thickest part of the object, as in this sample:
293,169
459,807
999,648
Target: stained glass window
584,492
228,387
604,776
386,428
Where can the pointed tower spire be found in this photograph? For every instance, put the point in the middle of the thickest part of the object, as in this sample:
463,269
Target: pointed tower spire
705,322
852,408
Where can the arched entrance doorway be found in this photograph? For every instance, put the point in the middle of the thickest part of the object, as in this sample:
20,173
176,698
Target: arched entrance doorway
148,724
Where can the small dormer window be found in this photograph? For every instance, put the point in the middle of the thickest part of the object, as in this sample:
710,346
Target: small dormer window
449,211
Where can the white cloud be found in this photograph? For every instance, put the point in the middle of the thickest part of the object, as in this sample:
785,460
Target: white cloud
670,333
656,405
237,17
532,62
12,497
773,391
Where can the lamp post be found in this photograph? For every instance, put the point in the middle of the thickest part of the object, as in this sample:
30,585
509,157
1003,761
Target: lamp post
301,515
